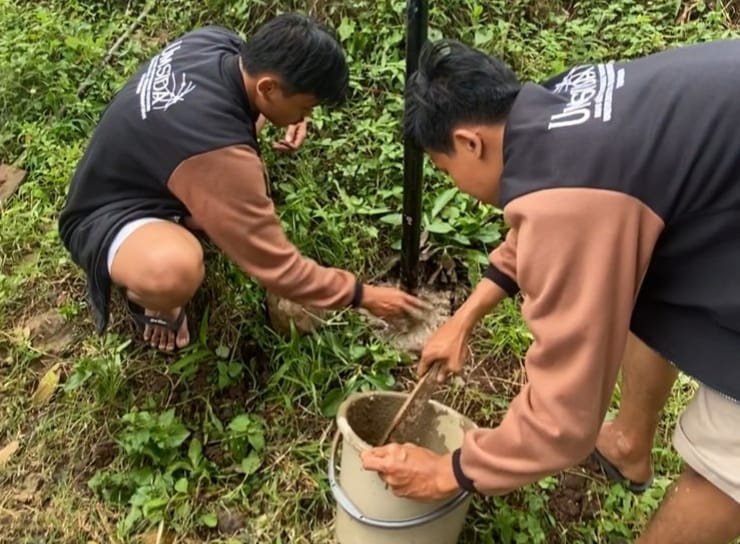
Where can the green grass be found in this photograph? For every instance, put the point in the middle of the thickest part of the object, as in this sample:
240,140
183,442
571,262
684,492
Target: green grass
132,442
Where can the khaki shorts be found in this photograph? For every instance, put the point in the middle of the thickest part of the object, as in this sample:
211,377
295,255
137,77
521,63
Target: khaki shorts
708,438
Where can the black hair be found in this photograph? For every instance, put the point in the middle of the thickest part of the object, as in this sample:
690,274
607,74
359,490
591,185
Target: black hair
303,53
455,84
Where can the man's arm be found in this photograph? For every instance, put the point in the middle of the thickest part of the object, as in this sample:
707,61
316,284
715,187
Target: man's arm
580,257
225,192
448,345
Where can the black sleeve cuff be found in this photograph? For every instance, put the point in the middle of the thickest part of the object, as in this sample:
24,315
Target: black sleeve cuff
463,481
502,280
357,297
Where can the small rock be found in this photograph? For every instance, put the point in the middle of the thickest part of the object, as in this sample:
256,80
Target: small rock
49,332
230,523
283,312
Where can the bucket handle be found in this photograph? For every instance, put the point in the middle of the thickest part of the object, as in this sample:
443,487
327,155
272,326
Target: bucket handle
349,507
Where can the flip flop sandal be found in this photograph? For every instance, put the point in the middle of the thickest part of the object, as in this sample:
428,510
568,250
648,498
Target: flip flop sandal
614,475
142,320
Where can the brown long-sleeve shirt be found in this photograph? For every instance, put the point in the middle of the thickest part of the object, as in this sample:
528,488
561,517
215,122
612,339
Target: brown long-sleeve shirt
578,256
226,194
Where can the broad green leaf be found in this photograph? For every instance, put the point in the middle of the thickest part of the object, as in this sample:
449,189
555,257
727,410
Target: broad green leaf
250,463
331,401
195,452
256,439
181,486
209,520
442,200
346,29
392,219
241,423
439,228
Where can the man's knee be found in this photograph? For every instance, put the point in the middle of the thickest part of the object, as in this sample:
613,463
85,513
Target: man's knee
174,274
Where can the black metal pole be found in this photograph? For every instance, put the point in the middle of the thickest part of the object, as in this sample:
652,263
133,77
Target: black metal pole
417,13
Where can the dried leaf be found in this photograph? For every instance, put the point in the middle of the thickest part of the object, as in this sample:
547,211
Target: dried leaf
157,537
7,452
46,387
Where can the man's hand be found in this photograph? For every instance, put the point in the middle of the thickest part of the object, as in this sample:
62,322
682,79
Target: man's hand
448,346
294,137
387,302
413,472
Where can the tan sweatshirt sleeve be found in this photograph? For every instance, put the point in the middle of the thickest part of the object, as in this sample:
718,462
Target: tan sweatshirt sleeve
581,255
226,194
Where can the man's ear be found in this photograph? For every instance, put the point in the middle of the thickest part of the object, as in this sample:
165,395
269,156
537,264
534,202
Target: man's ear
468,141
266,86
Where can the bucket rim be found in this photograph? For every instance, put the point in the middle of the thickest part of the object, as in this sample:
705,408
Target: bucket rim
354,440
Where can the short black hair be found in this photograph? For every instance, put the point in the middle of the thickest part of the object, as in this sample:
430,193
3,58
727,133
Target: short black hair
455,84
303,53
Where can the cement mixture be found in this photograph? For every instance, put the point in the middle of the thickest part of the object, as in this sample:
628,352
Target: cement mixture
369,418
410,335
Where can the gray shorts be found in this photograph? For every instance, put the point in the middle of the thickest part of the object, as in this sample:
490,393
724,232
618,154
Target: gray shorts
126,231
707,437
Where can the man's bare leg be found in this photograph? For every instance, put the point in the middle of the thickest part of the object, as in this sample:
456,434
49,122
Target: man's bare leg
694,512
161,266
627,440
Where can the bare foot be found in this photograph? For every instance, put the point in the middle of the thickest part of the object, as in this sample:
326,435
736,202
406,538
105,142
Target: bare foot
633,460
164,339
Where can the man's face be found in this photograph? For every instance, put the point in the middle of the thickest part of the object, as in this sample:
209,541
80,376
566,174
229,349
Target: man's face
470,173
280,108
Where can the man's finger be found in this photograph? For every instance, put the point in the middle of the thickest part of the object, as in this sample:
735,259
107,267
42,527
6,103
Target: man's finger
424,363
283,146
290,134
375,459
419,303
300,134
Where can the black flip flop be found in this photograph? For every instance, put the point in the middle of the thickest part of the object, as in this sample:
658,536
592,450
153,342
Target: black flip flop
138,314
613,474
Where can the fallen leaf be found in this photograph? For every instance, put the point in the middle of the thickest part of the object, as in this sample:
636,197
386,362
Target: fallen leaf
155,537
47,386
7,452
10,178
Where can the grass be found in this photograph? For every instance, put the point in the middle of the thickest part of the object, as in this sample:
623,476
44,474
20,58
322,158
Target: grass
235,430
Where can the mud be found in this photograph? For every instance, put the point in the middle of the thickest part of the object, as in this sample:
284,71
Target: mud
571,501
369,418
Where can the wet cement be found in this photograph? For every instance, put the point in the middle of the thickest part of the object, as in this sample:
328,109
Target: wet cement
410,335
369,418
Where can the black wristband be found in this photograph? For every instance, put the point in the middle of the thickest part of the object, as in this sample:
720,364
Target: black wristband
357,297
463,481
502,280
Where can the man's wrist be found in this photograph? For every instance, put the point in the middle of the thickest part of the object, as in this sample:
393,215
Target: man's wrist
358,295
446,482
461,479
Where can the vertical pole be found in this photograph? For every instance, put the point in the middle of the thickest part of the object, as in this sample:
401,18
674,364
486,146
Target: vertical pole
417,13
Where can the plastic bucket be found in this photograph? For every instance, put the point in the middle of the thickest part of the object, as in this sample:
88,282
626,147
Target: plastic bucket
367,512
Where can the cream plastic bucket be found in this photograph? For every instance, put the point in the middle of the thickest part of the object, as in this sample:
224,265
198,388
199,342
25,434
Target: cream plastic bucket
367,512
